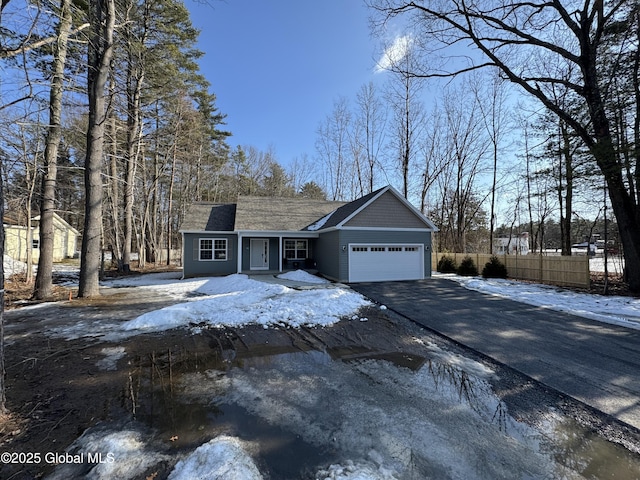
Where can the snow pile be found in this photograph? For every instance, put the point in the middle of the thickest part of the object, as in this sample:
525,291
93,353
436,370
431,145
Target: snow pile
223,458
624,311
122,454
12,266
259,305
302,276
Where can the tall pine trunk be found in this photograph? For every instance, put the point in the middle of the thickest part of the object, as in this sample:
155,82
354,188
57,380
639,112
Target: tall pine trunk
43,284
102,19
3,398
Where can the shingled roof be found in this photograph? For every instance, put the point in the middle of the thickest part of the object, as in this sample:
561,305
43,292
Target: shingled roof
280,214
212,217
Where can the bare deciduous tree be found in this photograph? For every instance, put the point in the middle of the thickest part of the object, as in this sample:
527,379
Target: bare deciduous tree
540,46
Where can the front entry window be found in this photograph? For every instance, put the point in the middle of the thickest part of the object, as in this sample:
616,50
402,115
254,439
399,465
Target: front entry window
296,249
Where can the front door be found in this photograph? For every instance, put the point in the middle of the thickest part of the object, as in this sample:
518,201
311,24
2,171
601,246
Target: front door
259,256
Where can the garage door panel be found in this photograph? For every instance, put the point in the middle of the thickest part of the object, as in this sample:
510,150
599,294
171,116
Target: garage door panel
374,263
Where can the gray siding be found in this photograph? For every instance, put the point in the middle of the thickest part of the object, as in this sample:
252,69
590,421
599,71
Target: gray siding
384,237
328,253
386,211
193,267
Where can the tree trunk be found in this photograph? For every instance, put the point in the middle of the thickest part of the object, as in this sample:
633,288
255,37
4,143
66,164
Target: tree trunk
568,177
135,78
624,206
43,286
3,399
113,188
102,13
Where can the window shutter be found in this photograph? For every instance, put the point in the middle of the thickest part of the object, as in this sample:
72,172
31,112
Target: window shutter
196,249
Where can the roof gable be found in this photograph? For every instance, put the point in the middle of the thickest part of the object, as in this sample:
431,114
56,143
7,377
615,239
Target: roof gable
386,211
383,208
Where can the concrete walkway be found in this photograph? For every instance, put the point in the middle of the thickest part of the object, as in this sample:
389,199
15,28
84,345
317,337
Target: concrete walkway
596,363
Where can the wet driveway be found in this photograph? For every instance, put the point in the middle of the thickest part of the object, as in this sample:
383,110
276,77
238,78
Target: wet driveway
593,362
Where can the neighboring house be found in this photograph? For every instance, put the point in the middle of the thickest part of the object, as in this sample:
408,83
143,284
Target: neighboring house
511,244
65,239
378,237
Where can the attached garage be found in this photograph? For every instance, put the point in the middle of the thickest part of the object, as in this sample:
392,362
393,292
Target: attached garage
375,238
377,262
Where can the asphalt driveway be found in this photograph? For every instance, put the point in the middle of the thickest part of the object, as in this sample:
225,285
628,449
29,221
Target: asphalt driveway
596,363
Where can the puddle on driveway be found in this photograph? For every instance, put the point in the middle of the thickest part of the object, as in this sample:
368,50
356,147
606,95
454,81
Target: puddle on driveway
301,411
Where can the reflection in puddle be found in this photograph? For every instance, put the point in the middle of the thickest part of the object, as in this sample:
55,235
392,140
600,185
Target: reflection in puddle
413,415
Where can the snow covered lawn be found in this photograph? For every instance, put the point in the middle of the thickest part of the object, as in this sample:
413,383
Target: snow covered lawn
237,300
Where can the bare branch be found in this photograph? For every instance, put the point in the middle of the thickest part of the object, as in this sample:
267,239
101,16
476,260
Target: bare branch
26,47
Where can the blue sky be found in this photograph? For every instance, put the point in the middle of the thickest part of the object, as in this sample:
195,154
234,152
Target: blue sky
277,66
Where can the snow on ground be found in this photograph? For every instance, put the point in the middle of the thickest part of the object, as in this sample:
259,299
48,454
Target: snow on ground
12,266
112,355
384,421
223,458
624,311
237,300
379,421
615,264
302,276
119,453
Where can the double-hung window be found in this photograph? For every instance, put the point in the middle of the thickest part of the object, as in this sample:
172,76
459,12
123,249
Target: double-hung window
296,249
213,249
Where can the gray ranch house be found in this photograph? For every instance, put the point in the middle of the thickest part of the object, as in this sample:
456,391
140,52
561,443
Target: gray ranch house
379,237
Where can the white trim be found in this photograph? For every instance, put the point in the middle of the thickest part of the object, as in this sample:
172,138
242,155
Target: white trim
295,248
278,233
213,250
209,232
389,229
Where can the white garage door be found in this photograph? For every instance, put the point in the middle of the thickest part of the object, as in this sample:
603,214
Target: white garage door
375,263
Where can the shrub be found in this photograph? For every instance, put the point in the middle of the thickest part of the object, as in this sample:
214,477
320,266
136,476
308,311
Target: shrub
446,265
494,268
467,267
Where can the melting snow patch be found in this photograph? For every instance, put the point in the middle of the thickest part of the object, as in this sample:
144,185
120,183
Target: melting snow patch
112,355
223,458
123,455
289,307
356,471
